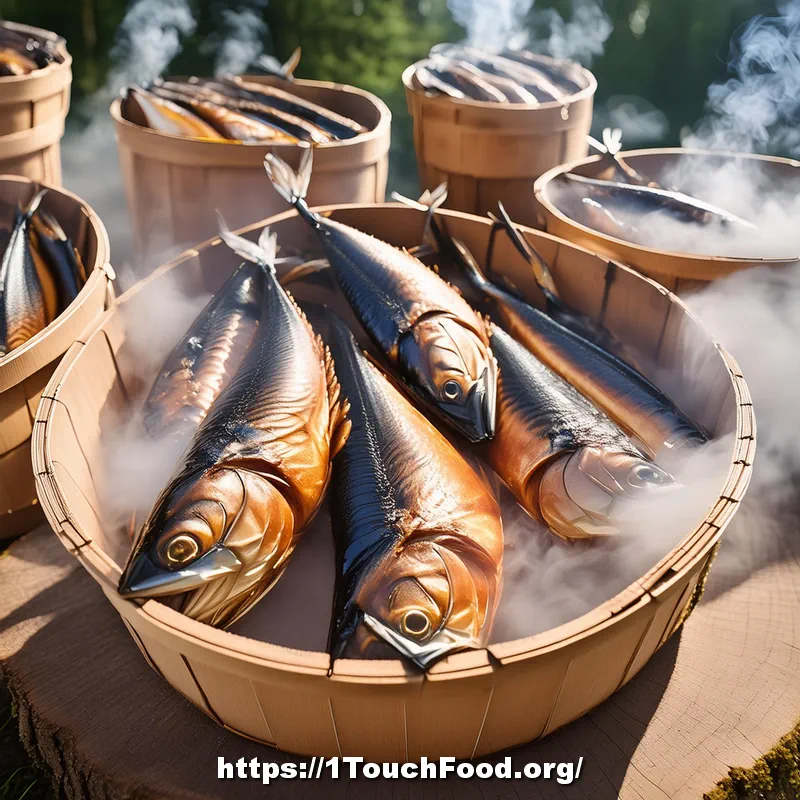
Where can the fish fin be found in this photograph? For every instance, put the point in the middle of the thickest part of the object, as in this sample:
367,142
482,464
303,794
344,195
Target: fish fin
262,253
339,426
470,264
288,68
302,270
290,185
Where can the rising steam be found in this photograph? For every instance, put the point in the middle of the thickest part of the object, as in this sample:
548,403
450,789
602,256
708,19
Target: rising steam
496,24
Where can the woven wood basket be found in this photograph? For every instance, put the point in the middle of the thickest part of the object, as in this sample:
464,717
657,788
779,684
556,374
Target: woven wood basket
488,151
33,108
472,703
174,185
679,272
24,372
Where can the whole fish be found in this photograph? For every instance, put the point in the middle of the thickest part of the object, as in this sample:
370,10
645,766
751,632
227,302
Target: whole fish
295,127
419,539
430,80
228,122
622,392
63,259
644,200
207,357
23,311
335,124
222,531
566,463
513,92
424,328
146,109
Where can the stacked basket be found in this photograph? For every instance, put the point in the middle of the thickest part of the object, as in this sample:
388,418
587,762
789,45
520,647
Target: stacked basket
33,108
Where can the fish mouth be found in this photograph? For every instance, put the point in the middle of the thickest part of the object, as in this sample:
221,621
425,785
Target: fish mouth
583,502
475,418
142,578
424,654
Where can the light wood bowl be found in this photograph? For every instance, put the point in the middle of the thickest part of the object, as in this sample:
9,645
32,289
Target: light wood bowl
474,702
24,372
488,152
33,108
679,272
174,185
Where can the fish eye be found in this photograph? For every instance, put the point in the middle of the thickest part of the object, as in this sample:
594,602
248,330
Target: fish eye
451,391
181,549
415,624
646,474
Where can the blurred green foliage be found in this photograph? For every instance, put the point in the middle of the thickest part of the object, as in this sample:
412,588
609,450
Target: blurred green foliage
665,51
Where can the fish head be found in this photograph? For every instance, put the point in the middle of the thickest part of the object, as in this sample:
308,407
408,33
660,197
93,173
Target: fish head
425,601
452,369
205,530
596,492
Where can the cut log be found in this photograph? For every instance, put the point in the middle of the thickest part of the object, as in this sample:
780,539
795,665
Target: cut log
718,694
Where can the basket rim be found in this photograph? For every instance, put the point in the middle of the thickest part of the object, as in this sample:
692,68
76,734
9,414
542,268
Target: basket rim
682,558
380,130
543,182
102,270
588,91
42,33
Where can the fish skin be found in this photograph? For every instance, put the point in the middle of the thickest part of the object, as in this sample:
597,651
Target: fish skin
206,358
546,429
61,257
298,129
227,122
251,479
472,84
410,518
13,63
23,310
630,399
426,330
335,124
146,109
555,73
651,199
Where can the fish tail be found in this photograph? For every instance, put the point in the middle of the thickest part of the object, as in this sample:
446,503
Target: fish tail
262,253
290,185
539,267
34,204
473,272
288,68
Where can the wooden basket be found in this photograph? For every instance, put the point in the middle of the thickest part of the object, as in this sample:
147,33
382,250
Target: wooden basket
472,703
174,185
33,108
680,272
489,151
25,371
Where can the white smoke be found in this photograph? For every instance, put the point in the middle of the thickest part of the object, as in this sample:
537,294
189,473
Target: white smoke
642,122
242,42
757,109
581,38
496,24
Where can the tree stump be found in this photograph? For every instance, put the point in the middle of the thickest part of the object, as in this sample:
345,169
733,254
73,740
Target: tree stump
720,693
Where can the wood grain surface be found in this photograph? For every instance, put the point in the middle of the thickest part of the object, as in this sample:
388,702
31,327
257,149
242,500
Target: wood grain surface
720,693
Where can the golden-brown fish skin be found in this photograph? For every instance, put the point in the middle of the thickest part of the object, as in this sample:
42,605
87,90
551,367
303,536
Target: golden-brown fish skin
564,461
23,310
146,109
419,537
228,122
13,63
428,333
207,356
222,532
